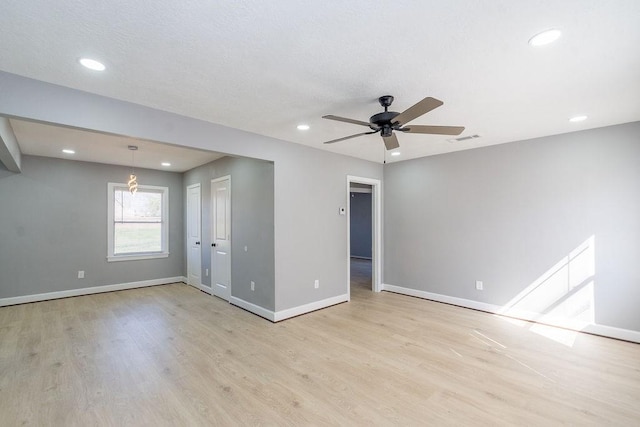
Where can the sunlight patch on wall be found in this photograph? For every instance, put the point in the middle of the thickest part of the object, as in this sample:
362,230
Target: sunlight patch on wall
562,296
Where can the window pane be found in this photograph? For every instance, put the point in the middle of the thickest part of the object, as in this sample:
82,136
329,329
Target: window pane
142,207
137,237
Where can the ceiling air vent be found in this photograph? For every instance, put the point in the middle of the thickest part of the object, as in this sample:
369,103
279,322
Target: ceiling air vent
463,138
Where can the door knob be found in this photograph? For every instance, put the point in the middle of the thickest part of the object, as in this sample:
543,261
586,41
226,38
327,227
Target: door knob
197,243
213,244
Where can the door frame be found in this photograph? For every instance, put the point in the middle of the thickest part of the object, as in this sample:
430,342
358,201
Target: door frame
376,237
189,187
212,237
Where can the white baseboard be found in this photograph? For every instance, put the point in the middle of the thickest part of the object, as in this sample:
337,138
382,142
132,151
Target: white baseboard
290,312
200,287
206,289
189,284
88,291
612,332
606,331
467,303
306,308
251,307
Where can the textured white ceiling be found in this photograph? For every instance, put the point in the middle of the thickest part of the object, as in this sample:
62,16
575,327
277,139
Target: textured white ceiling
45,140
267,66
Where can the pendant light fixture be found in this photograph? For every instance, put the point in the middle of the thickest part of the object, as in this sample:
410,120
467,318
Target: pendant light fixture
133,180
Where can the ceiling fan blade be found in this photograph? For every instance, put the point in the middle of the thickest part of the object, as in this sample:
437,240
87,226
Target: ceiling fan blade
422,107
348,137
436,130
344,119
391,142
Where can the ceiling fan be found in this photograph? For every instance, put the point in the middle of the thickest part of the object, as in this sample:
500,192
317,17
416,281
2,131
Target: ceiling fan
389,121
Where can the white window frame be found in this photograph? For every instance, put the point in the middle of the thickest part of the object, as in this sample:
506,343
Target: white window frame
164,252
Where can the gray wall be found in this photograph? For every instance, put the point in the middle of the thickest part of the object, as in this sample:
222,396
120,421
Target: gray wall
53,222
252,209
310,184
360,227
508,213
4,171
311,235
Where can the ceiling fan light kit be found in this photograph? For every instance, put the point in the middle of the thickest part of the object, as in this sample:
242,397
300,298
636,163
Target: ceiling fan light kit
387,122
132,183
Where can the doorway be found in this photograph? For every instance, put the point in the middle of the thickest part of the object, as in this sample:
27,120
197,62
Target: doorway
221,237
364,258
194,260
361,233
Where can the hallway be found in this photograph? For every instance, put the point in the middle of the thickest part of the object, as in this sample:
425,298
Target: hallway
360,274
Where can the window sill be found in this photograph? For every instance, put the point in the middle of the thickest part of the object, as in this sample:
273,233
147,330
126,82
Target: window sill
137,257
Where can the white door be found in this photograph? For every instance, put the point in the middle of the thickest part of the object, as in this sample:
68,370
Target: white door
194,259
221,237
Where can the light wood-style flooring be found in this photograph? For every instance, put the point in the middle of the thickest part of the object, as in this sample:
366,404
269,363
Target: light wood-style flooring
172,355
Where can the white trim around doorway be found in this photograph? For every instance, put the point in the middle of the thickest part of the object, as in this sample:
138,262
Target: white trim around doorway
376,252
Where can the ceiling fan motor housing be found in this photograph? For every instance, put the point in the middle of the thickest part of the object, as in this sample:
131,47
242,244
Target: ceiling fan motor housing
383,120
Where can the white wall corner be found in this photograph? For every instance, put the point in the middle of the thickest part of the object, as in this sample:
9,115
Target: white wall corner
10,155
307,308
603,330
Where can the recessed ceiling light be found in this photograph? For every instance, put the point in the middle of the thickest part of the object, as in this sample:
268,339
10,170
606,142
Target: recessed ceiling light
92,64
545,37
578,119
303,127
67,151
396,153
166,164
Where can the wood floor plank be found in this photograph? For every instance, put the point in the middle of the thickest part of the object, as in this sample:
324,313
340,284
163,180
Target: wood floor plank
172,355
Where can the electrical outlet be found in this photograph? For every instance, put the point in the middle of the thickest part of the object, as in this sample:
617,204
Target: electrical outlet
316,284
245,249
80,274
253,285
479,285
206,272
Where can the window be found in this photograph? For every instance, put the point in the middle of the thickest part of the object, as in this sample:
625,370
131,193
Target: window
138,224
